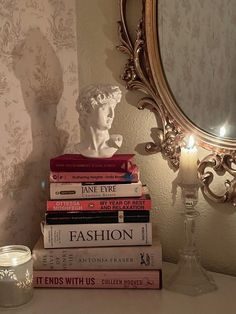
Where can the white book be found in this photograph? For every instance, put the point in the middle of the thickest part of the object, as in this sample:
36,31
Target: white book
88,235
85,190
85,258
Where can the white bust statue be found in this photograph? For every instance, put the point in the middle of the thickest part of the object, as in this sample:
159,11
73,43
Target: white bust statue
96,105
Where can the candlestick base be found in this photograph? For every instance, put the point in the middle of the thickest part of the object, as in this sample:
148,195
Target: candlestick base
190,277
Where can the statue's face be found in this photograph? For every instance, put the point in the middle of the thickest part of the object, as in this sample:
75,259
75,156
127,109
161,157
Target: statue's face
102,116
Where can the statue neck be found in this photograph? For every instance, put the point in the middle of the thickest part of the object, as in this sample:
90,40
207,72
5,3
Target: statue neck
99,138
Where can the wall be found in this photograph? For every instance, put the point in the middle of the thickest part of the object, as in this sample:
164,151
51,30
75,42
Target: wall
100,62
38,88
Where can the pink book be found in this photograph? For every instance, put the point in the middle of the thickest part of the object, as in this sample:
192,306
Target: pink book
77,162
98,176
98,279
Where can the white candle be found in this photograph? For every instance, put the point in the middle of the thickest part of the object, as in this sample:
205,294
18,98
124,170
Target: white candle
188,163
16,271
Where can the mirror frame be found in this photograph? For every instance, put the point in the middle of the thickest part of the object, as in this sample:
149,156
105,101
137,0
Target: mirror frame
144,71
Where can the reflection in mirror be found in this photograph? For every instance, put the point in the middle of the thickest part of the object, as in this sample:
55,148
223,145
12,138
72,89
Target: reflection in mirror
197,42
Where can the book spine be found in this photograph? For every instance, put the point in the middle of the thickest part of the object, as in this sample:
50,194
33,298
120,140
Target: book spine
87,235
132,279
104,204
120,217
132,176
91,164
90,217
135,257
80,190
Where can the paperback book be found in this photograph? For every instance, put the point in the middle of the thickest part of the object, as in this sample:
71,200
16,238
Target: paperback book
86,190
88,235
77,162
93,217
123,257
122,203
112,279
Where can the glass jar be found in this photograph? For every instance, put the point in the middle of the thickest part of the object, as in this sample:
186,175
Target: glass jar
16,275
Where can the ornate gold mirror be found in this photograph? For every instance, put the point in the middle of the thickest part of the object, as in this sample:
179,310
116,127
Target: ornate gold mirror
183,58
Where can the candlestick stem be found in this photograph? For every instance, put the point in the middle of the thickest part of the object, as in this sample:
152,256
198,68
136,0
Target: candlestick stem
190,277
190,226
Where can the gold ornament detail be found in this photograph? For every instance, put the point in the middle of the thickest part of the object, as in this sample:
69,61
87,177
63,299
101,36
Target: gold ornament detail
220,164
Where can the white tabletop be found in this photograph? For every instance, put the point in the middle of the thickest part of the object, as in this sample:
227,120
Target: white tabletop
89,301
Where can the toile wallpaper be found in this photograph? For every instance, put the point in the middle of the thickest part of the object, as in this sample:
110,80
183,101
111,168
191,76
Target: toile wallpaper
38,120
197,43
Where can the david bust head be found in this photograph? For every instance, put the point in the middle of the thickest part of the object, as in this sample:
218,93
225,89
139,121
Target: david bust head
96,107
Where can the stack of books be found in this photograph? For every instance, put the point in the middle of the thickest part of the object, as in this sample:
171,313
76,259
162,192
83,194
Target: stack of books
97,231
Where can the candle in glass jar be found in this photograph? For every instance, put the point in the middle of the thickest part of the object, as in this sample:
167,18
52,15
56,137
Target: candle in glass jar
188,163
16,269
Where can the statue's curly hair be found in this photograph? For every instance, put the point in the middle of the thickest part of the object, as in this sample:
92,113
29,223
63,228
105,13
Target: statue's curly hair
95,95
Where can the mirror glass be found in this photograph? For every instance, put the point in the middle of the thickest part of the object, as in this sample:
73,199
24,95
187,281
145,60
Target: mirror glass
197,41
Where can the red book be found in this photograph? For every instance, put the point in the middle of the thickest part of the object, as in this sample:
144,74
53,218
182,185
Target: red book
96,176
77,162
102,279
129,203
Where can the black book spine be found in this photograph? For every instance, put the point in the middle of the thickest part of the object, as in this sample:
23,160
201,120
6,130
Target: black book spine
56,218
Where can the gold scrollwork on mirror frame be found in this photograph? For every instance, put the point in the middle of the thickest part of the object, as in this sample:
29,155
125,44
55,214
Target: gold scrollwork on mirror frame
221,164
137,75
174,125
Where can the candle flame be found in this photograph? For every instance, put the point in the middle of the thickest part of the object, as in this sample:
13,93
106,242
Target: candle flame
14,261
191,142
222,131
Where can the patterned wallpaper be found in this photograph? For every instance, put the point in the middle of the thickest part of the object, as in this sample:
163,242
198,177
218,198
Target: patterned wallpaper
38,120
198,48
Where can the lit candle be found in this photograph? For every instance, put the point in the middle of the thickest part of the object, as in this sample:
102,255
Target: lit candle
188,163
16,273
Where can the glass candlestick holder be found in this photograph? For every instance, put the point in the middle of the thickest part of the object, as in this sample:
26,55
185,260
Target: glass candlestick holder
16,274
190,277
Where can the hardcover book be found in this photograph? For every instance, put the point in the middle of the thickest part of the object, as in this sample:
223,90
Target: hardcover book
123,257
93,217
86,190
112,279
77,162
87,235
129,203
132,175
